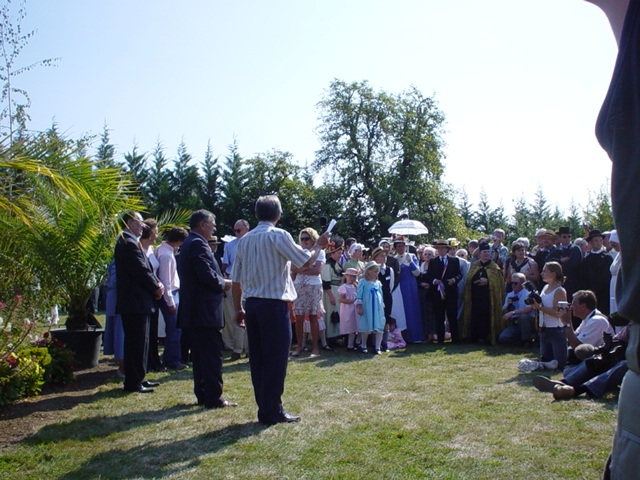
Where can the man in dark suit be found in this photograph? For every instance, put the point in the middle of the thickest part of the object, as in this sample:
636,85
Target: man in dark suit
137,289
444,273
569,256
594,271
202,288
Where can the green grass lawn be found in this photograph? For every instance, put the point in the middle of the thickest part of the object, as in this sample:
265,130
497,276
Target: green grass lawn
453,412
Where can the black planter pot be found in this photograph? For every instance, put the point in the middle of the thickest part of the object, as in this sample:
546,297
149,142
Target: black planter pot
84,343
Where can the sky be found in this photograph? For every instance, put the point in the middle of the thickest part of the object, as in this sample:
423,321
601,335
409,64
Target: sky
519,82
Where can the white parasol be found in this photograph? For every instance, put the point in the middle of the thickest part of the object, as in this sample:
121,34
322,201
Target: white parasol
408,227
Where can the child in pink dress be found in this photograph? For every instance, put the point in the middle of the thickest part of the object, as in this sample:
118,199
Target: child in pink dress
395,337
348,319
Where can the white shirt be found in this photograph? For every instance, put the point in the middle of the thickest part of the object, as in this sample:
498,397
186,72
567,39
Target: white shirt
167,272
311,279
263,263
592,328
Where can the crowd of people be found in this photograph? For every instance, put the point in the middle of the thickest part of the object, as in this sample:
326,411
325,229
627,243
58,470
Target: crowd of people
487,293
352,296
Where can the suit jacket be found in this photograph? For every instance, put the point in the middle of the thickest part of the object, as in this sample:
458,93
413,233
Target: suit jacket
392,262
135,280
435,272
201,285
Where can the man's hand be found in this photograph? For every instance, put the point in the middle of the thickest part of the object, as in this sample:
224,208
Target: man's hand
159,292
227,285
239,318
172,309
323,240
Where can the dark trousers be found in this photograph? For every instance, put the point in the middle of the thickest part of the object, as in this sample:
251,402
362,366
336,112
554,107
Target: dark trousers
448,306
269,335
172,354
136,348
206,356
153,357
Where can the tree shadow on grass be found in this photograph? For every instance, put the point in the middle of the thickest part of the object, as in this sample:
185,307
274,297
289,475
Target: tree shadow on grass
157,460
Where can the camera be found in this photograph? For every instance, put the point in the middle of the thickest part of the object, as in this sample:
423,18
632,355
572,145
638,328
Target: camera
534,296
511,307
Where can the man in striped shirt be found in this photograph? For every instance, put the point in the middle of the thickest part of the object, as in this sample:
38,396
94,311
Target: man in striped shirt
262,275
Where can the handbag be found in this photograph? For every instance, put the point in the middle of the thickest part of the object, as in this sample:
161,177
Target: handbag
335,317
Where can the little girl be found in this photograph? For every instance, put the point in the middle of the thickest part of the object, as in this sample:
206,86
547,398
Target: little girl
370,307
348,319
395,337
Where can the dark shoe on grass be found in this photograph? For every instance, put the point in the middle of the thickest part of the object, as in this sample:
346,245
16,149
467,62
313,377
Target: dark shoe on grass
545,384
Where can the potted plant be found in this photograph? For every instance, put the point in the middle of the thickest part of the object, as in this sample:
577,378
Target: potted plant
59,213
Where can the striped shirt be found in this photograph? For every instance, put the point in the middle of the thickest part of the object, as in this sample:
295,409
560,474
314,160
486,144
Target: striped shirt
262,265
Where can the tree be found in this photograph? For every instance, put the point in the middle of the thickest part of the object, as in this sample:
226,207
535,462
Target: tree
15,101
276,173
540,210
383,153
106,152
60,222
523,224
210,184
465,210
235,201
135,165
160,196
599,210
185,181
574,221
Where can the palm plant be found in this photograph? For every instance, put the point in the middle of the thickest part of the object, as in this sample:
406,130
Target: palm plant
59,220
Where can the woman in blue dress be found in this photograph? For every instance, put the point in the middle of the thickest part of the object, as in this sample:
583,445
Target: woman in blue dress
409,271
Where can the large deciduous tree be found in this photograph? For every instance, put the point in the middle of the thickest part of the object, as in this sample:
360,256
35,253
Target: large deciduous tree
383,153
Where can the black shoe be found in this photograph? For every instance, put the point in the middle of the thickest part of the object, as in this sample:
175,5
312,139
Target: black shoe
148,384
235,356
378,352
328,348
283,418
352,349
139,390
364,350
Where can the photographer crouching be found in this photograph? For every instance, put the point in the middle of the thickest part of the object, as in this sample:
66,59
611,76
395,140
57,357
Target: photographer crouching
517,314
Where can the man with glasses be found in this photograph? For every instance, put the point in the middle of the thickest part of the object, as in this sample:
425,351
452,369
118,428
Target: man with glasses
233,334
517,315
137,288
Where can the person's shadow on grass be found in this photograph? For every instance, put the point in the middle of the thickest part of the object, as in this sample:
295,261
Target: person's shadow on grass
158,459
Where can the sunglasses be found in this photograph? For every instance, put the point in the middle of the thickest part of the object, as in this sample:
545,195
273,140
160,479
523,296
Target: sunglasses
305,239
515,283
237,230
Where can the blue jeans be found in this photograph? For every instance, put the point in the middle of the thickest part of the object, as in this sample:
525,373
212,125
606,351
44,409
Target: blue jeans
597,385
518,333
171,355
553,346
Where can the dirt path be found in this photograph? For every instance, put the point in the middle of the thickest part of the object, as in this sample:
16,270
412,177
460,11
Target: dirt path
27,416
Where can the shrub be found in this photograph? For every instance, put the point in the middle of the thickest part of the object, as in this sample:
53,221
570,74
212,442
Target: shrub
59,369
25,367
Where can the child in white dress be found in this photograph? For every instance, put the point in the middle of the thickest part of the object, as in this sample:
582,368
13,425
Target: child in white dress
348,319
